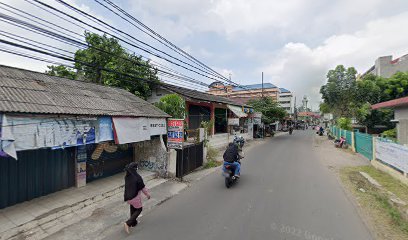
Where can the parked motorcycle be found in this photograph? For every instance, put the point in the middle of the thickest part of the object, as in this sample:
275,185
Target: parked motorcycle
290,131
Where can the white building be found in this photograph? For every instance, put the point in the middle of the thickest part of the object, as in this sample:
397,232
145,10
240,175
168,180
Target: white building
386,66
286,100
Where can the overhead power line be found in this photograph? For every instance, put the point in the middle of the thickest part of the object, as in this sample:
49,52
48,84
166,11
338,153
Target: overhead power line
126,41
84,45
154,34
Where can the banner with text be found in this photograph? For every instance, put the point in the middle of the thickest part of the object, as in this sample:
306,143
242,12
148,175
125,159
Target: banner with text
392,153
175,133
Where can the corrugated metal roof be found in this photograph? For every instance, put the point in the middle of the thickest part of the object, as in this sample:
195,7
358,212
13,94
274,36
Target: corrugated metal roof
253,87
24,91
196,95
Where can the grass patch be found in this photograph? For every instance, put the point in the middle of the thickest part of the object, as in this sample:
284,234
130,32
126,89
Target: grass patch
212,164
387,181
212,155
385,217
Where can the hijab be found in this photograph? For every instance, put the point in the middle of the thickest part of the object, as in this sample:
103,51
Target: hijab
133,182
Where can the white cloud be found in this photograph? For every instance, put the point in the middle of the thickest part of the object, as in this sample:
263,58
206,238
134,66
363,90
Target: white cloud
303,69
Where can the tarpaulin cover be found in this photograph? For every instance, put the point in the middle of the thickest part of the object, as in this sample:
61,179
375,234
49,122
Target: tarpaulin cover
129,130
237,111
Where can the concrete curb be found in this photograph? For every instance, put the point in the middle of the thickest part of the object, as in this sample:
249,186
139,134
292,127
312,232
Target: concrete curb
50,222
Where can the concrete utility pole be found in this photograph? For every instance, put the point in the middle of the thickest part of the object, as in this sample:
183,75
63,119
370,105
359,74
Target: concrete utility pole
262,86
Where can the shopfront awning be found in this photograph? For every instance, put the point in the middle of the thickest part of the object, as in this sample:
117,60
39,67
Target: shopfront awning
237,111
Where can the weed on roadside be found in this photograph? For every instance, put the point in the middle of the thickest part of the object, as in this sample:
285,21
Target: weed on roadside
212,164
212,154
385,218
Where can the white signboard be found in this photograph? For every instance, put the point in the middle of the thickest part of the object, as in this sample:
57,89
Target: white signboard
394,154
129,130
157,126
257,121
233,121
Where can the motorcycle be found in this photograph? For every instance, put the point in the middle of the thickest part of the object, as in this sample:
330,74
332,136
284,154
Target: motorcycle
228,173
290,131
239,141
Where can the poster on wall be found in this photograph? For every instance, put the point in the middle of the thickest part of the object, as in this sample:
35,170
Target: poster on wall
7,140
175,133
104,129
80,176
34,133
392,153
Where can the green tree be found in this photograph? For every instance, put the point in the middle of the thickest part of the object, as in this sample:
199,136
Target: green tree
324,108
344,123
269,108
106,62
338,93
173,104
61,71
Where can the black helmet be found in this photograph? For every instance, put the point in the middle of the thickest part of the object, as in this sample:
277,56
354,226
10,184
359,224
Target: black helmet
131,165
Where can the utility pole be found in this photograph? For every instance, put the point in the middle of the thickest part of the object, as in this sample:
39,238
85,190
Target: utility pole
262,86
295,110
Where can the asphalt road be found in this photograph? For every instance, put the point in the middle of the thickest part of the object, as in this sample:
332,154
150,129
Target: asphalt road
284,193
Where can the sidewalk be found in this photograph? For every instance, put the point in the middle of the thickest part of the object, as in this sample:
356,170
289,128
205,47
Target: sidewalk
37,217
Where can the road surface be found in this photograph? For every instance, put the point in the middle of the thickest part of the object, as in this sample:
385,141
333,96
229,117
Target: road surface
284,193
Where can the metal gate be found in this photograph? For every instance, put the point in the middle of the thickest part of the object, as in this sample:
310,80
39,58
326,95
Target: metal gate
36,173
189,159
364,144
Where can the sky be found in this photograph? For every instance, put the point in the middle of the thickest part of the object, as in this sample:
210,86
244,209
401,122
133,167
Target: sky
294,42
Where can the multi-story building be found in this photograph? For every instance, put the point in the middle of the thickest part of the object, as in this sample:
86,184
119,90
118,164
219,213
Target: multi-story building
245,93
286,100
386,67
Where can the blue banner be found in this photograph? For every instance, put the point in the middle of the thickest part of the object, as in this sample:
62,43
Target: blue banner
105,129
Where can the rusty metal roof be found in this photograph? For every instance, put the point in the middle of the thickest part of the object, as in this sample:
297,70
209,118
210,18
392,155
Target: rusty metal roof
23,91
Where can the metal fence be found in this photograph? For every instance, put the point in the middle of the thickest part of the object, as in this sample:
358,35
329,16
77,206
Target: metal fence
349,137
364,144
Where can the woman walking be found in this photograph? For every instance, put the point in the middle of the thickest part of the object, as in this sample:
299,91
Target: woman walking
134,186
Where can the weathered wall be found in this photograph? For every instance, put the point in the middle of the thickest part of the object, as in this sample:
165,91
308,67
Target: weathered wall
401,113
172,163
384,67
152,155
157,93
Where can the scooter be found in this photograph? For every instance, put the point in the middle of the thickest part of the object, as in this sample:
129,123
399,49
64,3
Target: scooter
228,173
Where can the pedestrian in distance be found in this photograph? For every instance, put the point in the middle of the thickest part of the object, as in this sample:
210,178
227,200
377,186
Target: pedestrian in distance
134,187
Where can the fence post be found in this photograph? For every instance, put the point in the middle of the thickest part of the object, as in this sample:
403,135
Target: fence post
373,147
353,142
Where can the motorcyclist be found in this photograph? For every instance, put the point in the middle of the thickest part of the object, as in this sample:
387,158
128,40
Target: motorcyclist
231,158
321,131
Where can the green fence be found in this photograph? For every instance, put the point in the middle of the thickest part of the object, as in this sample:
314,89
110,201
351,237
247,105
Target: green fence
349,137
364,144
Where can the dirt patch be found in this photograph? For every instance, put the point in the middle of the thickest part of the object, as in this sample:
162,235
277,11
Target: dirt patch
385,218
